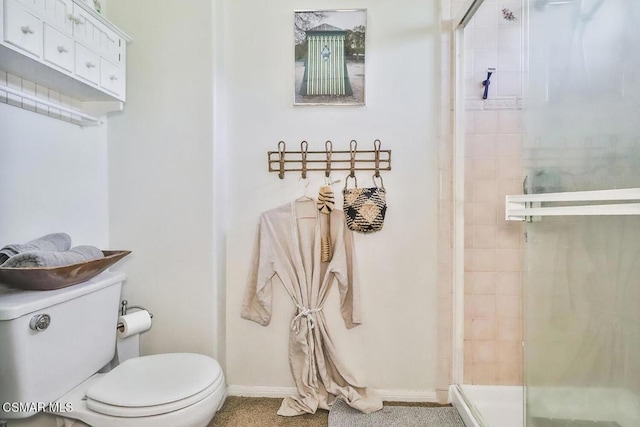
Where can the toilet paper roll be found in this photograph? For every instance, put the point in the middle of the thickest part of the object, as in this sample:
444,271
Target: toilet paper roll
134,323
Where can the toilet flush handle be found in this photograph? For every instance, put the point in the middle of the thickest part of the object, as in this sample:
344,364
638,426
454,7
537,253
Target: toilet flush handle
40,322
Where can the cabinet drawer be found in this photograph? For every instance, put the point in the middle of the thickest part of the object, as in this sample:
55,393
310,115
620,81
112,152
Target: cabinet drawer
87,64
37,6
58,13
112,78
86,29
22,28
58,48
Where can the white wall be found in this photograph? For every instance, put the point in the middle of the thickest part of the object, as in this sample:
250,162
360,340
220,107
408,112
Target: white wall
395,348
53,177
161,173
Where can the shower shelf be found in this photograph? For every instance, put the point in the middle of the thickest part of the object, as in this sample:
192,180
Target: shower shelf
524,207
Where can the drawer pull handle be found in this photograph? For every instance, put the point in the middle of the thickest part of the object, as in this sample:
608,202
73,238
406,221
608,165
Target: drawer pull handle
113,77
62,49
75,19
27,30
90,65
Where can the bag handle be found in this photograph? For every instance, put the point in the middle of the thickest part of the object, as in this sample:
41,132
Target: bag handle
381,181
346,181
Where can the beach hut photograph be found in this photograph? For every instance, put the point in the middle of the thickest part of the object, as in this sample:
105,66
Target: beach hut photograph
330,57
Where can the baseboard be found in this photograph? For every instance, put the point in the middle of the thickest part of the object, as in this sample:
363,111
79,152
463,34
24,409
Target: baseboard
391,395
400,395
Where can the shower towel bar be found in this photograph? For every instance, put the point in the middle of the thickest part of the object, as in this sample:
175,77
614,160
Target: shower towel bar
87,119
523,207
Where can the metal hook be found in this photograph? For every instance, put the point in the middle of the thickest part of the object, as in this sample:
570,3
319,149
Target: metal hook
376,146
353,147
328,148
303,151
281,149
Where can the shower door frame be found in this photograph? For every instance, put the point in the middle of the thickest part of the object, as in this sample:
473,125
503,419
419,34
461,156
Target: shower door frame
459,113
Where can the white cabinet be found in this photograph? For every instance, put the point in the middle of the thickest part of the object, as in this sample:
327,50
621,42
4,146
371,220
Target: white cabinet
66,46
22,28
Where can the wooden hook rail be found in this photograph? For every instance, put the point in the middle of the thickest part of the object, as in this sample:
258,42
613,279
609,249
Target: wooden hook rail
351,160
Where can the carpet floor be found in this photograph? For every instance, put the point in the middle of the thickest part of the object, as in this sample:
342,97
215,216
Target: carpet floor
261,412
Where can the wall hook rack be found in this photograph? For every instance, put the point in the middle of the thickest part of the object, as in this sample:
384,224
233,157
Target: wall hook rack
329,160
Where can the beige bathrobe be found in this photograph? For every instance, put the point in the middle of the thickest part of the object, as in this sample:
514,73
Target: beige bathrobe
288,245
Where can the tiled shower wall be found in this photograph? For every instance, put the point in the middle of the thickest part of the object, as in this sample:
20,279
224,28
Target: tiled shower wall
493,249
493,169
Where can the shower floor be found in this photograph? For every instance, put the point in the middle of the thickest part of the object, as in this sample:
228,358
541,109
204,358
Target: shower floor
503,406
550,422
490,406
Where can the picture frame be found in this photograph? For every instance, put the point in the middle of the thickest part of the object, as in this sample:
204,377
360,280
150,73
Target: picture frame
329,56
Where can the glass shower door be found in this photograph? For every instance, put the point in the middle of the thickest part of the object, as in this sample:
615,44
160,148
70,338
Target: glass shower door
582,280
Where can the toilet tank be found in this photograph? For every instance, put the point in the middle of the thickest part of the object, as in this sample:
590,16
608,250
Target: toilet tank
38,367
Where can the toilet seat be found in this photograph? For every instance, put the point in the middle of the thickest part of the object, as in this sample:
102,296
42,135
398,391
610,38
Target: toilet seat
155,385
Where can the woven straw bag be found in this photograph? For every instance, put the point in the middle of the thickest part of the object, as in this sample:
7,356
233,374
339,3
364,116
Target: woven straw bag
365,208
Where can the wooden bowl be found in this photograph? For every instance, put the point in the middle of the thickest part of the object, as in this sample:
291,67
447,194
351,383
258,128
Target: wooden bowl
49,278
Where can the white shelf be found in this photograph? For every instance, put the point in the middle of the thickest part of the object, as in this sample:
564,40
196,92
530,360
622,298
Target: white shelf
620,202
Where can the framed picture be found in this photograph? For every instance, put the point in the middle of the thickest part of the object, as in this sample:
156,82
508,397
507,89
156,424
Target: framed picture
329,57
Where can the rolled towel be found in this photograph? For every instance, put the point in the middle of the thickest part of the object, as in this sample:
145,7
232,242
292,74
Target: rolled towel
53,258
50,242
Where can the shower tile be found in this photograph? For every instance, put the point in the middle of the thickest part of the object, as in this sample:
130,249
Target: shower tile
484,236
483,59
483,306
484,328
485,190
484,373
509,38
509,260
508,144
509,329
483,283
468,235
509,374
509,59
484,214
469,124
483,260
468,352
509,306
473,86
467,376
467,329
510,122
509,351
486,16
484,351
484,168
509,237
485,38
509,186
482,144
487,122
509,283
509,83
510,168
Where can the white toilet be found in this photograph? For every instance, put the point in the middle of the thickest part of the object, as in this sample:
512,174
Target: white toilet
54,343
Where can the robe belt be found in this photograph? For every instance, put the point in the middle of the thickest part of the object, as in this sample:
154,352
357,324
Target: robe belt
312,379
304,312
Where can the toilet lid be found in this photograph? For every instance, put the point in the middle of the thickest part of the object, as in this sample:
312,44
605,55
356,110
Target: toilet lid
154,381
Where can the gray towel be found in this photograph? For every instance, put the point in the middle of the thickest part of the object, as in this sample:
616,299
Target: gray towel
53,258
50,242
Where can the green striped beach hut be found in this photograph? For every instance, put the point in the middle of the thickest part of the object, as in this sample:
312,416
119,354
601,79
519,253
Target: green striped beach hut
325,68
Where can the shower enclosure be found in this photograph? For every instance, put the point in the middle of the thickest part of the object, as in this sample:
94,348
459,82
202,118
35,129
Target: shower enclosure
580,231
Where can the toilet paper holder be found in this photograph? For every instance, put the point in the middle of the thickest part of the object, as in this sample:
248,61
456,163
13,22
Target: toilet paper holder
124,307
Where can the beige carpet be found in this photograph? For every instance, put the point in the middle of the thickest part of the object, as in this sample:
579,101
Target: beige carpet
261,412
